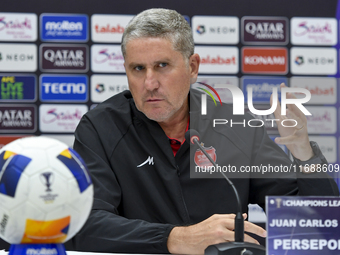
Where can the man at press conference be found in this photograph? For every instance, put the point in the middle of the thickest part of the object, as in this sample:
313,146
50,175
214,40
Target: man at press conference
134,146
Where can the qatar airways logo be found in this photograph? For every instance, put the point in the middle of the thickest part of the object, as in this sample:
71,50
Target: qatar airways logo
238,105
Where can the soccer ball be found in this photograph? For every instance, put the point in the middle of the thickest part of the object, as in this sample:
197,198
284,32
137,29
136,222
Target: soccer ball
46,193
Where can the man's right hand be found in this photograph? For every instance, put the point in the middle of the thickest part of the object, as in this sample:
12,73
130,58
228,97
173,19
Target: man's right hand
216,229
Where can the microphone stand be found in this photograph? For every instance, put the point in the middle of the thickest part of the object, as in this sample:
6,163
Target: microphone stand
238,247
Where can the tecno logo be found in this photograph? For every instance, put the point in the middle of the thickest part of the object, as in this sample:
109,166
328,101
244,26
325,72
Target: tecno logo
264,60
65,88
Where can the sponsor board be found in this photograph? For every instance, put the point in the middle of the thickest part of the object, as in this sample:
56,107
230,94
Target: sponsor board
64,57
215,30
18,27
322,121
107,59
314,31
262,87
314,61
225,94
18,119
264,30
18,57
327,146
323,89
18,88
218,59
6,139
60,118
64,27
63,88
108,28
264,60
106,86
67,139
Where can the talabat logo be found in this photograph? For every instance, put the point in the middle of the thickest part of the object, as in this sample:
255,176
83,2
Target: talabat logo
66,58
218,59
17,88
108,28
65,88
238,105
312,60
264,60
314,31
264,30
322,89
18,26
58,27
215,30
18,57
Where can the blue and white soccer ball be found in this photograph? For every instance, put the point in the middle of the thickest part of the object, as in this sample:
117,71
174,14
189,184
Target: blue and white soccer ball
46,193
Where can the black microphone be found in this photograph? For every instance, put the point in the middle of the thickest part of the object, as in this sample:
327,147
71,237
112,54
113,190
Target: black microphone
238,247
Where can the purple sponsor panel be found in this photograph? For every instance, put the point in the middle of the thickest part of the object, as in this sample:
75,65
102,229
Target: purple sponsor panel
18,119
265,30
64,58
302,225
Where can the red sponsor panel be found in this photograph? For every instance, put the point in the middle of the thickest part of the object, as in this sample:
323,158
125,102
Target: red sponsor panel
264,60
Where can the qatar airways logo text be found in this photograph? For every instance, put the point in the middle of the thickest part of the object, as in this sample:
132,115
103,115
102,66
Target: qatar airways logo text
238,104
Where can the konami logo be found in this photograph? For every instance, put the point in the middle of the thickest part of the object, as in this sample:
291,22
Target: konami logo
264,60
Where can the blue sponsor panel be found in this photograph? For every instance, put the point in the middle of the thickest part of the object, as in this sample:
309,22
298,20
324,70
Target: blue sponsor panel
55,27
17,88
63,88
302,225
262,87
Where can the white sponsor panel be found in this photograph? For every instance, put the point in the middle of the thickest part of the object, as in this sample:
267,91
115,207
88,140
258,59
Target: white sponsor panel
18,57
108,28
215,30
107,59
256,214
314,31
67,139
225,94
218,59
18,27
314,61
323,89
60,118
322,121
106,86
327,146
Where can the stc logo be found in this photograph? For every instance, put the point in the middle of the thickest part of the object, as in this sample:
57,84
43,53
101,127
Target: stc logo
63,88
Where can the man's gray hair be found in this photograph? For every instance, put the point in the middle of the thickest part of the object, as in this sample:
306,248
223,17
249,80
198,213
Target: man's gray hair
161,23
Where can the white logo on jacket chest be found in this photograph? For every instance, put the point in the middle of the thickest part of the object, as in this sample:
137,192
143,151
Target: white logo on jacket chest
149,160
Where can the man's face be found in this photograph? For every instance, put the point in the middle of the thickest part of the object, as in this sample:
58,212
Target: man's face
159,77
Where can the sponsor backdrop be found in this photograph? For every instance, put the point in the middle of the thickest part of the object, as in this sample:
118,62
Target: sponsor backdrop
59,59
